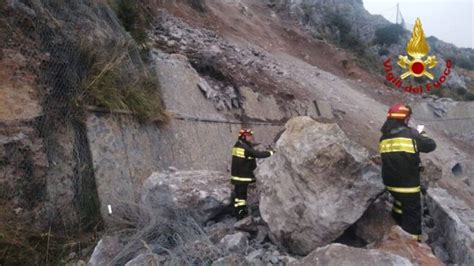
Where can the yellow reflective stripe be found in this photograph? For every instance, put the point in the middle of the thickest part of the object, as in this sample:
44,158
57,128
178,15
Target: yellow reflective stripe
397,145
239,202
396,115
398,203
245,179
404,189
239,152
397,210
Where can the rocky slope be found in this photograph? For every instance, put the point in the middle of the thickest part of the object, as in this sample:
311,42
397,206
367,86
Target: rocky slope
350,26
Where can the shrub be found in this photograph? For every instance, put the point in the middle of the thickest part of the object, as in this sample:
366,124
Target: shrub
388,35
469,96
347,38
132,19
383,52
466,62
338,20
199,5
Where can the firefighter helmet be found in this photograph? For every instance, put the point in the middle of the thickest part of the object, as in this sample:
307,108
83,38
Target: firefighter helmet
245,132
399,111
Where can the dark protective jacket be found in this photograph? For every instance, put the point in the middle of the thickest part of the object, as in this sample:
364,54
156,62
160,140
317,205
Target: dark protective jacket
400,148
243,162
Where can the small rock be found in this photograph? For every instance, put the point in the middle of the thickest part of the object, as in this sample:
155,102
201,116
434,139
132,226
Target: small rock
217,231
246,225
235,103
105,250
237,242
148,259
231,260
274,260
255,255
287,259
18,210
171,43
72,256
172,169
76,263
220,105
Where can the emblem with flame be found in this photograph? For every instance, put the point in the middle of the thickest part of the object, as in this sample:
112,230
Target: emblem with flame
417,48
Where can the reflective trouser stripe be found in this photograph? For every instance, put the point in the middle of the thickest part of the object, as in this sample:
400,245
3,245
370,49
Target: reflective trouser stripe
239,202
404,189
397,210
244,179
416,237
398,203
397,145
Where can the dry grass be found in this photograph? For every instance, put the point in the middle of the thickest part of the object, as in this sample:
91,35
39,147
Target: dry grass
21,244
163,230
116,83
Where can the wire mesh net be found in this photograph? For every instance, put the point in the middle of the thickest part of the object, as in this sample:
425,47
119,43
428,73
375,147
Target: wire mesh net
78,87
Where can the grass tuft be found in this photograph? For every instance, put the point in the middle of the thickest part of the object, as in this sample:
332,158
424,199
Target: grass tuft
115,83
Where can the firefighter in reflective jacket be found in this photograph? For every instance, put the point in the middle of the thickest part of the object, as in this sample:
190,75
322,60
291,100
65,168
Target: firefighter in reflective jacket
400,148
243,164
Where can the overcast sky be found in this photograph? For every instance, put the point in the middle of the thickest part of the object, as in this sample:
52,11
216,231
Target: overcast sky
449,20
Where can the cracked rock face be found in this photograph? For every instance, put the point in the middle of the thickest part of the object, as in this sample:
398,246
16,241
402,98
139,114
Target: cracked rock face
316,185
454,226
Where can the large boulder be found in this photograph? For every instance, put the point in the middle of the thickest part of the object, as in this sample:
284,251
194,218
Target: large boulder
203,193
339,254
454,226
316,185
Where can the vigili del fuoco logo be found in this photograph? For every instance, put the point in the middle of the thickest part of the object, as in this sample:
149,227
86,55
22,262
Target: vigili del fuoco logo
417,64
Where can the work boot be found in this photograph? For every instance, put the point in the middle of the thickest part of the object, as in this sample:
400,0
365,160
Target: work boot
241,213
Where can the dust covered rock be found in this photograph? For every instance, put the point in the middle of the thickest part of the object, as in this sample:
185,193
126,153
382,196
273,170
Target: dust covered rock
203,193
316,186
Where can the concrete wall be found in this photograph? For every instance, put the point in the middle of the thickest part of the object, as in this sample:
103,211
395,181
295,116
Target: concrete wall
455,119
125,152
